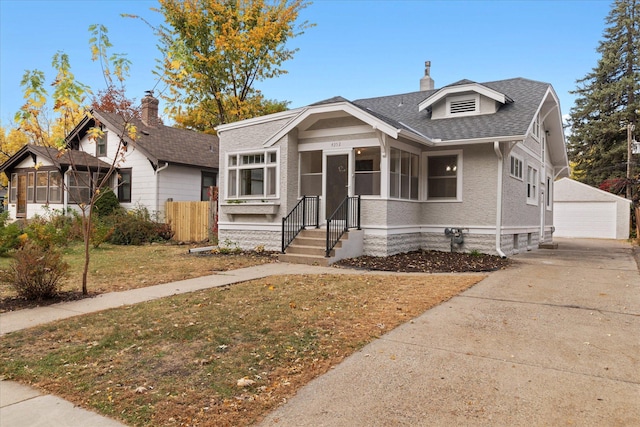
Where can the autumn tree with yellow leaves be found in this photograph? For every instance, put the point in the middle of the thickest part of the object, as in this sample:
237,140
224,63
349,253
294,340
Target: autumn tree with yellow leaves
68,99
214,51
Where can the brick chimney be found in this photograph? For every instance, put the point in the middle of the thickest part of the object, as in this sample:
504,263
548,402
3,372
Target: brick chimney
150,109
426,83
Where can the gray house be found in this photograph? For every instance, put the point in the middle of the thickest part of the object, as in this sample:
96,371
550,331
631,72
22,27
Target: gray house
469,166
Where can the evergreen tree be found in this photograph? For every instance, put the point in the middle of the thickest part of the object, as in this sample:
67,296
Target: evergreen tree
608,100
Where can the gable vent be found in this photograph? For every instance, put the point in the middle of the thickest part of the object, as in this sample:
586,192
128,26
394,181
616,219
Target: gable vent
462,106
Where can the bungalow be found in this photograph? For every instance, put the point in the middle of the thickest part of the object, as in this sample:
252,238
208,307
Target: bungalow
467,167
163,163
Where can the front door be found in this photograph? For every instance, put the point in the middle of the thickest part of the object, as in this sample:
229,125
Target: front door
336,182
21,210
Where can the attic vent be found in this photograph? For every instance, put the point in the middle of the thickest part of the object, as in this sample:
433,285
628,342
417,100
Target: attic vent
462,106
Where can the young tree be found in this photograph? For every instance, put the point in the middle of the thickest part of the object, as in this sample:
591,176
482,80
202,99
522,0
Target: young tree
215,50
68,97
608,101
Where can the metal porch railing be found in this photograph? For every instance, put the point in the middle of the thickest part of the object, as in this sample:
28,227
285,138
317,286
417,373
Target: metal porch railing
346,216
304,214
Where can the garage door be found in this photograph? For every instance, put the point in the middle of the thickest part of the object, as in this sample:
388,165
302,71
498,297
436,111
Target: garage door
585,219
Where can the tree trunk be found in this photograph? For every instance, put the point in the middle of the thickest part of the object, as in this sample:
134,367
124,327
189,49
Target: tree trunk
86,234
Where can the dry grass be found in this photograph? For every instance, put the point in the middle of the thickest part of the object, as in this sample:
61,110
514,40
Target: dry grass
117,268
176,361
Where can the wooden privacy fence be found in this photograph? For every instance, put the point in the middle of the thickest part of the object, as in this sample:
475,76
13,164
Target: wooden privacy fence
191,221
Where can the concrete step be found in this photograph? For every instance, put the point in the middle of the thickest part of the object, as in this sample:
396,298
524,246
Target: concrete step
295,248
304,259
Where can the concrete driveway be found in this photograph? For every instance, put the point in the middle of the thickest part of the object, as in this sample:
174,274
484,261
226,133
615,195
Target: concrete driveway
553,341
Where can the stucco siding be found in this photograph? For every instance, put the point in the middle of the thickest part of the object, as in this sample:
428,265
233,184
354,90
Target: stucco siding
516,210
478,205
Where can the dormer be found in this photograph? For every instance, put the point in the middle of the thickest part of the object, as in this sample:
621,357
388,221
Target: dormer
465,98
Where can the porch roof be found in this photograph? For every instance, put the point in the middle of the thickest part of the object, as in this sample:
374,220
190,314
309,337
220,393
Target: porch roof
61,159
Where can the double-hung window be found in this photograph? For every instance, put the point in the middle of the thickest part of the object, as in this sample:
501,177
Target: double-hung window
30,186
13,191
515,167
101,145
252,175
444,176
79,187
55,187
124,186
42,183
532,185
208,180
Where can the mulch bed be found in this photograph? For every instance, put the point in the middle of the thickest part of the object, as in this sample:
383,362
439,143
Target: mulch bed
428,262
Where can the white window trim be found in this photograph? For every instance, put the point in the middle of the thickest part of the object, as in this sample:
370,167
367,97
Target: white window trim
473,96
238,167
533,200
425,174
521,163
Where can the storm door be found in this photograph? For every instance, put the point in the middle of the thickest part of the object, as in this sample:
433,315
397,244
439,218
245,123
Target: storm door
337,181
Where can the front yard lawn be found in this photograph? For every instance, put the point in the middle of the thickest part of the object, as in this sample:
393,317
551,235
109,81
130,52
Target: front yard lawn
178,361
118,268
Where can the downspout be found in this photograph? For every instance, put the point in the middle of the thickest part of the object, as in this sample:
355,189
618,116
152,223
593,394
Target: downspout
166,165
496,149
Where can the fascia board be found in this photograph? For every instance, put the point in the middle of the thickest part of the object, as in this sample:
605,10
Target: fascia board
449,142
258,120
474,87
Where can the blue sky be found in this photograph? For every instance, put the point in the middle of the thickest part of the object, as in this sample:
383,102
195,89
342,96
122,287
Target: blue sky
358,49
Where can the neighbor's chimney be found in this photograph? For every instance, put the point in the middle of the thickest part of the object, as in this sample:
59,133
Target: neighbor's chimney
426,83
150,109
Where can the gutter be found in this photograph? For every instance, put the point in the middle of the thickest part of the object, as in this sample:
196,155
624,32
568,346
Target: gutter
496,149
166,165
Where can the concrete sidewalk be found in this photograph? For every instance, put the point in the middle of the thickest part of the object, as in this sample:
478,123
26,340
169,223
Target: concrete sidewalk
554,340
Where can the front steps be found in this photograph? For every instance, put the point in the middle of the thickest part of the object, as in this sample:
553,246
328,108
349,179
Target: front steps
309,248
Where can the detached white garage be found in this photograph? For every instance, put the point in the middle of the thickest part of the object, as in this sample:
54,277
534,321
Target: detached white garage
580,210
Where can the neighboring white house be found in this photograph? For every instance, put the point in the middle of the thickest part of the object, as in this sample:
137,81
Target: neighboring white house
478,158
163,163
584,211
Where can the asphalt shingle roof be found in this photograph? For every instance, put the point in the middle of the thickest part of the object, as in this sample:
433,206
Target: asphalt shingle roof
510,119
168,144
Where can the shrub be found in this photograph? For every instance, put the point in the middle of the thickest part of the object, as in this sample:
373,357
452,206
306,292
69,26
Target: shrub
9,234
35,272
135,227
54,228
107,203
100,232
